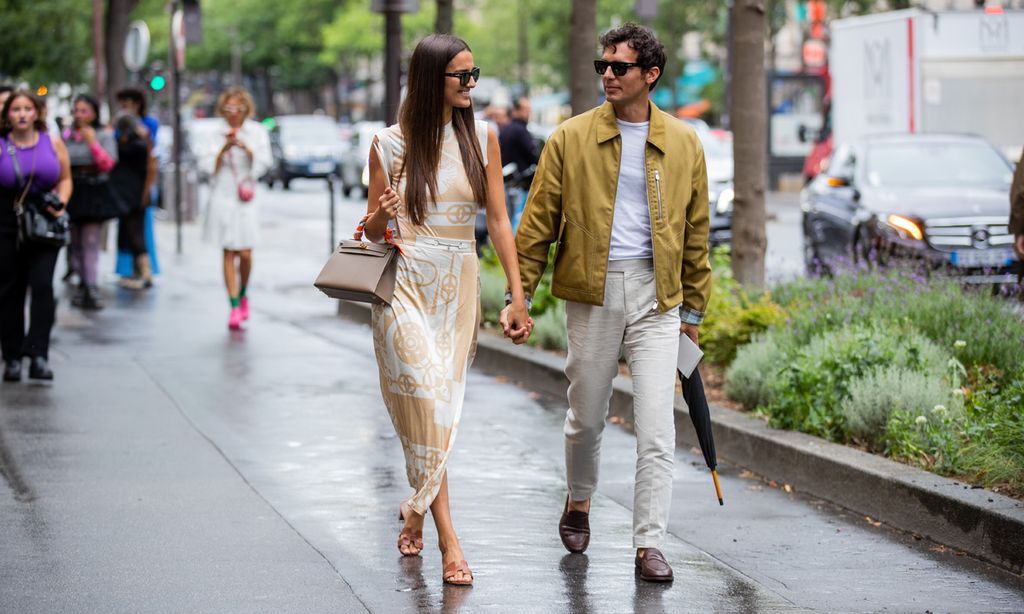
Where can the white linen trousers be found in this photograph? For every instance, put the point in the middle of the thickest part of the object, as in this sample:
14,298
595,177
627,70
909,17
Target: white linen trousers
650,339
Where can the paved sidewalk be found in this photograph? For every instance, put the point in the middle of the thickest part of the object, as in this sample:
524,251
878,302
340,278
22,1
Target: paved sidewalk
174,466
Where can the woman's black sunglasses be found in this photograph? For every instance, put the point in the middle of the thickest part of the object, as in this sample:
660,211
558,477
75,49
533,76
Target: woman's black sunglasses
464,75
618,68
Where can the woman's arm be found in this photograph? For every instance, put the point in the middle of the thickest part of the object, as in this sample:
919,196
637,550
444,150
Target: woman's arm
101,146
381,200
499,228
63,187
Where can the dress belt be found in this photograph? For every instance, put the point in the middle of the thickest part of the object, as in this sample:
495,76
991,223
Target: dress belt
452,245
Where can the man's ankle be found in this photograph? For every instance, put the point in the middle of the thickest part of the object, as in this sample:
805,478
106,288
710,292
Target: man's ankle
579,506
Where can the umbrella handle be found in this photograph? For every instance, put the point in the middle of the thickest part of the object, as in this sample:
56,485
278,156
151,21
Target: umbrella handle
718,488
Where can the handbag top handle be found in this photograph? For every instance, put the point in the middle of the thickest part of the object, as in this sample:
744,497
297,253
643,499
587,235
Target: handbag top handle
389,232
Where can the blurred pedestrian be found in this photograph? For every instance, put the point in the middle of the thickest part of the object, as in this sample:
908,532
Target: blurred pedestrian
517,144
623,190
1017,211
129,183
31,163
93,154
241,155
430,174
5,93
132,100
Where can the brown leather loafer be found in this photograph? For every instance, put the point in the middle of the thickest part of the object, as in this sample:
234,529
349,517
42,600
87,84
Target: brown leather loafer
653,567
574,529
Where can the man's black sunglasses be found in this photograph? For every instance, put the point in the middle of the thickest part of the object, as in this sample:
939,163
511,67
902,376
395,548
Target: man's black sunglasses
464,75
618,68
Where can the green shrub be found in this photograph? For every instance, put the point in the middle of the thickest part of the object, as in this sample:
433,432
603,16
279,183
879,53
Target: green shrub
874,397
756,364
983,444
809,389
733,317
549,329
936,306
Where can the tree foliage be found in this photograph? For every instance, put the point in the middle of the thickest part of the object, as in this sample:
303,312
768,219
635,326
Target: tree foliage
45,42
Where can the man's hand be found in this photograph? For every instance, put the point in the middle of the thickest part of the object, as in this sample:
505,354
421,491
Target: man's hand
1019,245
690,330
516,323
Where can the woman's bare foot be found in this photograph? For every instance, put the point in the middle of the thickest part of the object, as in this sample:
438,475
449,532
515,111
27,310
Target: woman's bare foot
456,571
410,538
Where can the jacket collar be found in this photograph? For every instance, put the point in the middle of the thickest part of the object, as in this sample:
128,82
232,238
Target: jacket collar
607,129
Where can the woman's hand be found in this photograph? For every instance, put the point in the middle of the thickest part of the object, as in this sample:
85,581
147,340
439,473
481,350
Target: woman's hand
88,133
388,205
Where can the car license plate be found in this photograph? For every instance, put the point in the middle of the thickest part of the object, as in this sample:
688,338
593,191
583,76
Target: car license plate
981,257
321,167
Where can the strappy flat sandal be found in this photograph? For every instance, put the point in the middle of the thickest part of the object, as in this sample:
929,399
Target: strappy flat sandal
408,538
452,570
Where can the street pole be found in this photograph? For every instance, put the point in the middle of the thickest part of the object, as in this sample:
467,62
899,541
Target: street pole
330,189
176,111
98,46
392,62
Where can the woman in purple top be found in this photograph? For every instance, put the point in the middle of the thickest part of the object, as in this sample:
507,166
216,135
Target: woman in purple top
27,267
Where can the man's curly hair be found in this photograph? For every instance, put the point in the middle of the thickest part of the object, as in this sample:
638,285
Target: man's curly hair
649,52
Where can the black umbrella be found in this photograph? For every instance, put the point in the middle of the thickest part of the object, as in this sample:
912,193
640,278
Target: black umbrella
700,414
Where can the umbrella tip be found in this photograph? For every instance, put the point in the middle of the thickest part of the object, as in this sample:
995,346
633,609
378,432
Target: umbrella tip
720,502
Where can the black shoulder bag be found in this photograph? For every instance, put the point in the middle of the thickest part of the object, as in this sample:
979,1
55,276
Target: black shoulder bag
35,225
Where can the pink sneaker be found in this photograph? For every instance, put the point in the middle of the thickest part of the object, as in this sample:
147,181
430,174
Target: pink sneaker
235,318
244,306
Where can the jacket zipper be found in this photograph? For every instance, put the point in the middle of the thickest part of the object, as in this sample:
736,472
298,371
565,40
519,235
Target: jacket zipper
657,183
654,256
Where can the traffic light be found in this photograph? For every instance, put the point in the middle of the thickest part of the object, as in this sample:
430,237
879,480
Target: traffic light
157,82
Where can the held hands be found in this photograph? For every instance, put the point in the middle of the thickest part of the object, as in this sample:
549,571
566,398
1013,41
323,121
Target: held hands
516,322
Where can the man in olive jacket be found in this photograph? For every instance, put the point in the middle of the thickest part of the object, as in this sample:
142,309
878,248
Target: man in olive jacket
622,190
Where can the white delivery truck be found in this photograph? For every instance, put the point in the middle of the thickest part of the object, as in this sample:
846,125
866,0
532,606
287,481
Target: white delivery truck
920,71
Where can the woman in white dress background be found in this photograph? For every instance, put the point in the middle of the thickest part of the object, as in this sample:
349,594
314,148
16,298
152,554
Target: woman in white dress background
232,220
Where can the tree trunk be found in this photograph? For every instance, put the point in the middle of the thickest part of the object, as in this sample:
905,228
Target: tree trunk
582,43
119,13
748,116
443,24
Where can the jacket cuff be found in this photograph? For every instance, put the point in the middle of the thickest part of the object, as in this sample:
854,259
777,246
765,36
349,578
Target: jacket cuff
690,316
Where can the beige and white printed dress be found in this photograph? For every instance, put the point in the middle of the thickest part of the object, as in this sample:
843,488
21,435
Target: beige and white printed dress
425,339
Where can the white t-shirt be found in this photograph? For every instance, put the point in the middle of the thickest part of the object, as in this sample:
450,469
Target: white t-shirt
631,226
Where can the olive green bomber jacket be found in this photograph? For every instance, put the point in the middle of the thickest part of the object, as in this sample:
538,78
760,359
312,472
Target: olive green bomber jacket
572,201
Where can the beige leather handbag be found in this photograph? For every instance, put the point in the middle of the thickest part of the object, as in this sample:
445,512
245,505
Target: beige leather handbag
360,270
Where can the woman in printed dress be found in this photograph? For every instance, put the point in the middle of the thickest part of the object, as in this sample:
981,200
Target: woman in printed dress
430,173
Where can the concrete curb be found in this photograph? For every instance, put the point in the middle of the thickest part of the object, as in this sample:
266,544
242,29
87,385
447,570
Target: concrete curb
984,524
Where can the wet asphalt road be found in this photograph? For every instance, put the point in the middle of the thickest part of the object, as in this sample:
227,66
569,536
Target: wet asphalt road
174,466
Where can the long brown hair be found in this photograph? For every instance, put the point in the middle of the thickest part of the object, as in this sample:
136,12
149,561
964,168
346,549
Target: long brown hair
5,123
421,122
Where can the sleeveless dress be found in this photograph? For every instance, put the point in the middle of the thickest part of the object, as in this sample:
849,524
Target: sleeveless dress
426,338
233,224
